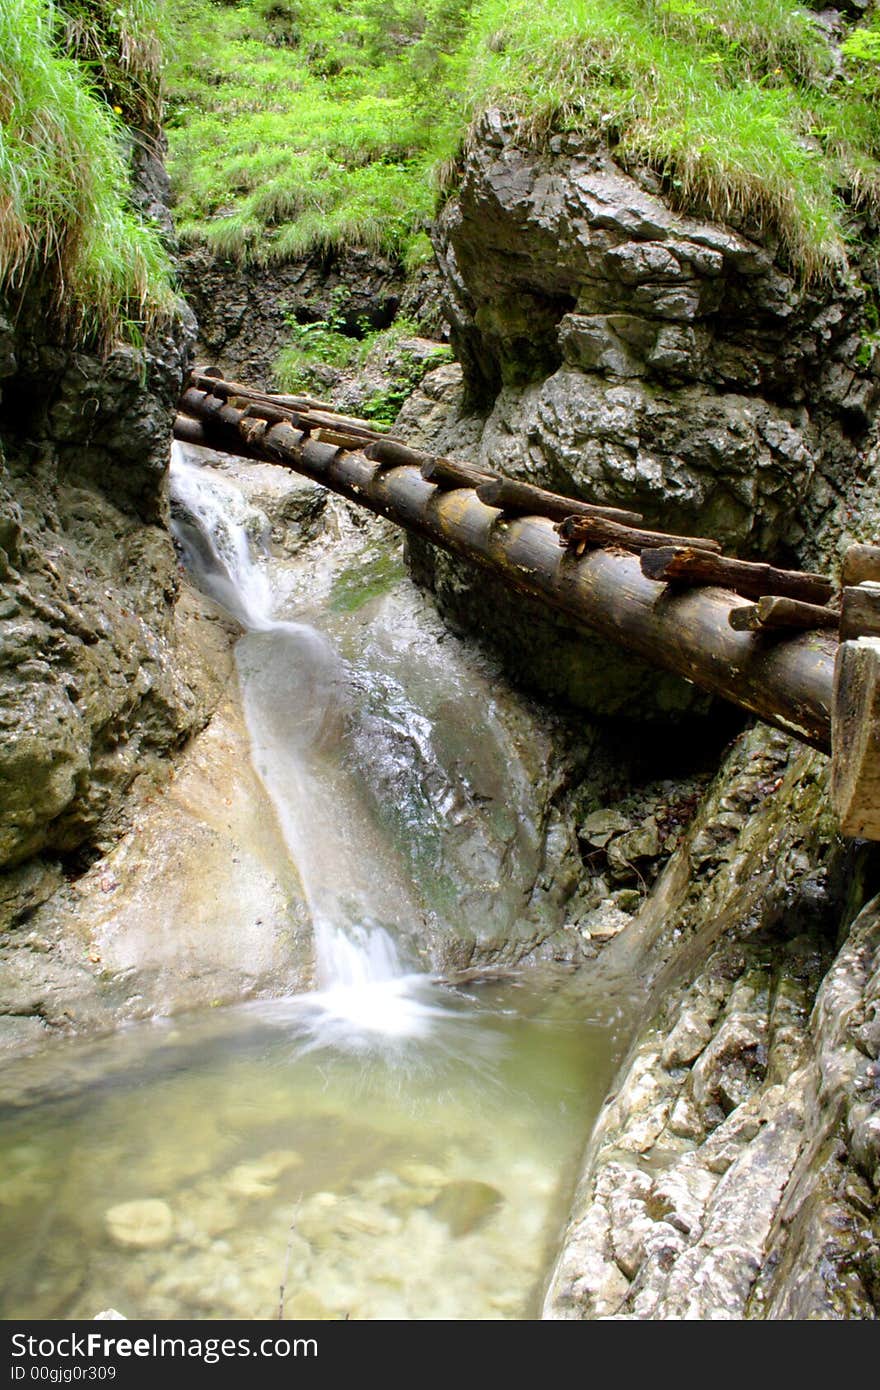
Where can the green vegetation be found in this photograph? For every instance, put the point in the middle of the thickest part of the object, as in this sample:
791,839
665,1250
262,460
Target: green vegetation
325,343
303,124
291,128
65,213
306,124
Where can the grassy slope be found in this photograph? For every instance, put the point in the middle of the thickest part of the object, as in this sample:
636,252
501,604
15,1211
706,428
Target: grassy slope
68,77
306,123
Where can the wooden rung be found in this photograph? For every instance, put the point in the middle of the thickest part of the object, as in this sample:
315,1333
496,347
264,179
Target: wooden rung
860,562
392,454
341,438
523,499
317,455
687,565
777,614
860,611
189,430
449,473
597,531
283,441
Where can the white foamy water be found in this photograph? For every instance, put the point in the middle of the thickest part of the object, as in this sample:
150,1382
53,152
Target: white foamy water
295,700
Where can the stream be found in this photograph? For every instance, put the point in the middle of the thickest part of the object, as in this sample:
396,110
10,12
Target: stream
399,1142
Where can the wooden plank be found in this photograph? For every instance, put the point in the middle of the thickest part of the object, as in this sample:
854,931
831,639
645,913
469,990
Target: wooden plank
855,738
689,566
860,562
584,531
522,499
860,611
771,614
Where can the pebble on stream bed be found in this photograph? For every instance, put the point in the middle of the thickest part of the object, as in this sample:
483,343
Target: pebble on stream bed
407,1242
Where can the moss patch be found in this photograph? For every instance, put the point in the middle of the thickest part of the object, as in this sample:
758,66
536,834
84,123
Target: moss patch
376,576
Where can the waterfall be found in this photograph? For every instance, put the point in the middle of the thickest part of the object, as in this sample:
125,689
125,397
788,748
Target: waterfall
295,699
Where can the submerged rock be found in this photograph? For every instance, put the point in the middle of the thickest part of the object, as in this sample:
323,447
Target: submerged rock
464,1205
140,1225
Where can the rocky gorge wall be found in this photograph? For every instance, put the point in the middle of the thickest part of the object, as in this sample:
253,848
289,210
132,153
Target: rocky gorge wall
615,349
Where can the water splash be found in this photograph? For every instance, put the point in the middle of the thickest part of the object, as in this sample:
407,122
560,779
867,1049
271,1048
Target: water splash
296,698
210,521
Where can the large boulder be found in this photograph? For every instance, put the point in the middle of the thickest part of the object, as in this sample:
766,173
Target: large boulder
625,349
615,349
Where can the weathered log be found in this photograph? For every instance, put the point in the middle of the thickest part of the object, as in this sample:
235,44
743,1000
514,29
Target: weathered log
693,567
450,473
307,420
317,456
855,738
522,499
207,432
213,377
860,562
196,402
262,410
771,614
583,530
860,611
787,683
283,442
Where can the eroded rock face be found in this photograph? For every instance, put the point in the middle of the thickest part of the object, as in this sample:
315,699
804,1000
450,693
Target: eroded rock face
626,350
90,690
245,313
733,1171
617,350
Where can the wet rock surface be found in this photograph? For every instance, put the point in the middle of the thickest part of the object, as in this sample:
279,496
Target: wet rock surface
91,690
720,1168
194,904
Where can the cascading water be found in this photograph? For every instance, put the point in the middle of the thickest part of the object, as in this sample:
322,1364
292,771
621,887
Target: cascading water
379,1148
295,700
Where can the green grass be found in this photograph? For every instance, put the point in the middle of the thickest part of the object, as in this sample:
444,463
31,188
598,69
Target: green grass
734,103
65,214
278,150
301,124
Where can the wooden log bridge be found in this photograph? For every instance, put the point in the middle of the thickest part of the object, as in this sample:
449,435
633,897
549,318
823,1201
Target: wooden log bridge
671,600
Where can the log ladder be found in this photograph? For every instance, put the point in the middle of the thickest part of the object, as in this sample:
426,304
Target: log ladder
779,643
